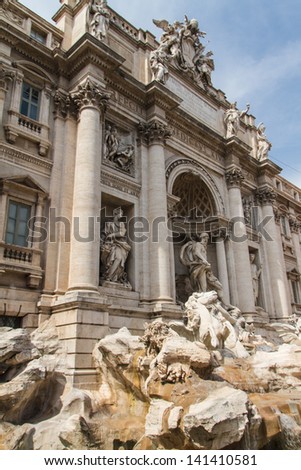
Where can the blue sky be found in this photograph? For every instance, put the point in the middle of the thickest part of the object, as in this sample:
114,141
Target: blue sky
257,53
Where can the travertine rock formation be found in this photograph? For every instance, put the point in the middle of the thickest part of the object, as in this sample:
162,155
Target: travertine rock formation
164,390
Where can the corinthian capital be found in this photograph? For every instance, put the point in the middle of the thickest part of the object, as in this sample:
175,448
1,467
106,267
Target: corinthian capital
89,93
265,196
154,131
294,224
234,177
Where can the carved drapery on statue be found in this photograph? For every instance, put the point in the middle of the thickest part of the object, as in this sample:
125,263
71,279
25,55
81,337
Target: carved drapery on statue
232,118
119,151
115,250
263,144
98,19
180,46
193,255
256,273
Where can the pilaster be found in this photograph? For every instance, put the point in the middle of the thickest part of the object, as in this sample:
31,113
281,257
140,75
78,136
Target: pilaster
266,196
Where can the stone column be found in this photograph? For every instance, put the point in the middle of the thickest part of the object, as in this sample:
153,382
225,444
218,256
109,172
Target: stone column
85,237
222,268
272,240
154,135
239,239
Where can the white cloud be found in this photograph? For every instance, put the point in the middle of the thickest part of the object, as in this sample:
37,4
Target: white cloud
246,76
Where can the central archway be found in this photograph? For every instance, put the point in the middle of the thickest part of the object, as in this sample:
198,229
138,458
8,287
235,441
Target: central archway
195,206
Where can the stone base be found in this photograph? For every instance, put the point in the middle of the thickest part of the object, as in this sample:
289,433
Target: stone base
135,318
81,319
120,295
116,286
259,317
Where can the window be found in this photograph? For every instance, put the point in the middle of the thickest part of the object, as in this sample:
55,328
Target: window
38,36
17,223
30,101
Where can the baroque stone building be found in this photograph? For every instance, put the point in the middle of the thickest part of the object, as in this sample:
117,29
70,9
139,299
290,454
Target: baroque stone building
117,155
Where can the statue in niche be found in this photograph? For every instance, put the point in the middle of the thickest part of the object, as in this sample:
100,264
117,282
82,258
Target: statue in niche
232,117
194,255
117,154
256,273
263,144
247,206
99,24
180,45
115,250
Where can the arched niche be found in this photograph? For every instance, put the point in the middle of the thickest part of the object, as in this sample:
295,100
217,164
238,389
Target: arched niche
197,203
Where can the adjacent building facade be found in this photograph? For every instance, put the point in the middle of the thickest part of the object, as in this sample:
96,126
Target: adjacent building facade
116,151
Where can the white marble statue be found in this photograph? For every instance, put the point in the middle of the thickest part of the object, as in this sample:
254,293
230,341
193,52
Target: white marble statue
99,19
205,66
290,332
180,45
159,65
213,325
263,144
115,250
256,273
194,255
232,118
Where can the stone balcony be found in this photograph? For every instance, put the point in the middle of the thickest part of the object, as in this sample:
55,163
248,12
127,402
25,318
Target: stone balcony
22,260
21,126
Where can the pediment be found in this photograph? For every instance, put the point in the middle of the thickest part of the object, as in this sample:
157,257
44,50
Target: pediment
24,180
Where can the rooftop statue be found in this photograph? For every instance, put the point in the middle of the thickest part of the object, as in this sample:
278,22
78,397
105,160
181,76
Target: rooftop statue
232,118
98,18
263,144
180,45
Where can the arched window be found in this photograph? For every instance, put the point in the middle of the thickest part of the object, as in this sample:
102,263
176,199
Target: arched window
195,200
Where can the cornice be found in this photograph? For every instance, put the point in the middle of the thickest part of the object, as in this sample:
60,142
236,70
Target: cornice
236,147
28,48
196,135
269,168
127,85
9,154
120,183
157,94
87,50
